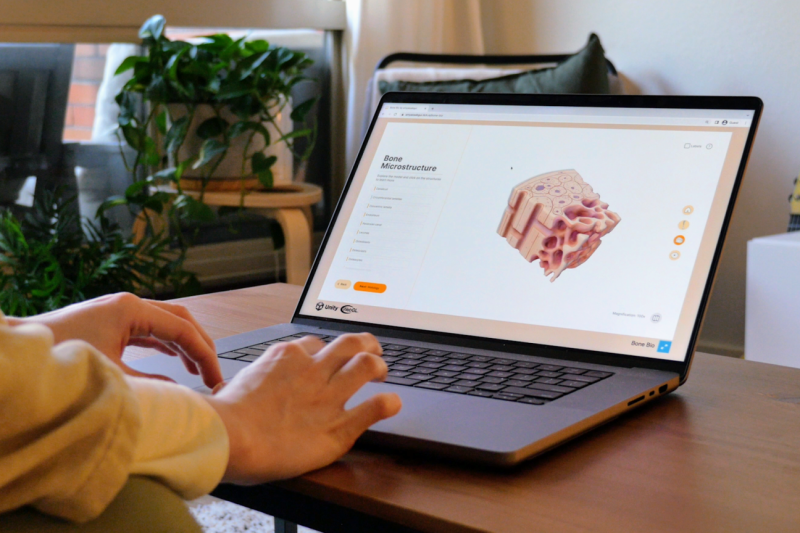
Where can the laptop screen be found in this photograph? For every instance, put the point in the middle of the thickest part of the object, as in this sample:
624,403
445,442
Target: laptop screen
580,227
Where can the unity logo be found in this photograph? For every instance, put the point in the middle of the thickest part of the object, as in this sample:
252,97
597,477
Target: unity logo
321,305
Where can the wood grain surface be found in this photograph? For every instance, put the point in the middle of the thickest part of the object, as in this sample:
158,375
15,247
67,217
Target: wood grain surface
722,453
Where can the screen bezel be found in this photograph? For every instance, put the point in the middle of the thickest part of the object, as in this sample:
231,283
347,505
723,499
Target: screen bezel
572,354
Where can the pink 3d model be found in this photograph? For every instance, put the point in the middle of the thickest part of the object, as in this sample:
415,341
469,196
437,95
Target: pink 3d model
558,219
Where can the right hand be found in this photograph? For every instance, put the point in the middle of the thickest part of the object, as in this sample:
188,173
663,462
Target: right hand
285,412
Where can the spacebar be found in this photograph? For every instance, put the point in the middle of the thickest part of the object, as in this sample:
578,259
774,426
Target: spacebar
400,381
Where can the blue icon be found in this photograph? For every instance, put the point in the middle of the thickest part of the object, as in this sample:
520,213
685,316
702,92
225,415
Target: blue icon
664,346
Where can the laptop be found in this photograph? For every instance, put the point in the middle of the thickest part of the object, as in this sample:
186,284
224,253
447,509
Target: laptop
533,265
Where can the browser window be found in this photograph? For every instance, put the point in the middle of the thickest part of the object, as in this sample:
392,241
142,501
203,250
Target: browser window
590,228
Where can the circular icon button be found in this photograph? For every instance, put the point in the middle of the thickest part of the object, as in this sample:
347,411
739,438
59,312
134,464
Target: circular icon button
709,146
688,210
683,224
674,255
680,239
656,318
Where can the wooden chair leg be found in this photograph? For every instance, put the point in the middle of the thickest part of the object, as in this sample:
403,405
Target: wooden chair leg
297,233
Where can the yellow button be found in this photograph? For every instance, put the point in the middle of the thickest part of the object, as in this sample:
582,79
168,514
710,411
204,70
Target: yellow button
683,224
369,287
343,284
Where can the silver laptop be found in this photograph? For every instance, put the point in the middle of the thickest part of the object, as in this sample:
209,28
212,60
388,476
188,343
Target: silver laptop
533,265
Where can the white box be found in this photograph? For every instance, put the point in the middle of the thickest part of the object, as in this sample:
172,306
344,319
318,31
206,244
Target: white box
772,312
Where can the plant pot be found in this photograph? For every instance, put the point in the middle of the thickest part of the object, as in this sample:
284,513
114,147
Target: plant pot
229,174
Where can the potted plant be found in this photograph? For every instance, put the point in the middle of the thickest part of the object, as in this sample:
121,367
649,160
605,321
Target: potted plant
217,109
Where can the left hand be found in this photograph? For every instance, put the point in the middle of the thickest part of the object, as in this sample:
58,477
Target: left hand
110,323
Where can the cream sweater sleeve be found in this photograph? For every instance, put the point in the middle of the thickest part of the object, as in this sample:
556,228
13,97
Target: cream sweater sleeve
73,427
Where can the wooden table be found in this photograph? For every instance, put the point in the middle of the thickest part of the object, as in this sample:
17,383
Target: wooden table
290,207
720,454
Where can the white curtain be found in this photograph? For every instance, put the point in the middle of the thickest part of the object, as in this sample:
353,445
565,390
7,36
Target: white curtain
377,28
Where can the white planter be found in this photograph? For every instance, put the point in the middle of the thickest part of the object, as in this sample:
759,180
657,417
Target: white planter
230,168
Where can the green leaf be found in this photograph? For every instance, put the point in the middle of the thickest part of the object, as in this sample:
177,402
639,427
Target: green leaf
265,178
157,90
261,163
248,125
110,203
134,190
233,90
168,175
191,209
299,113
208,151
217,42
129,63
172,64
176,134
161,122
151,155
127,108
153,27
133,136
211,127
258,46
296,133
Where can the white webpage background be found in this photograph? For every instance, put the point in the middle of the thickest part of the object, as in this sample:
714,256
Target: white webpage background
467,269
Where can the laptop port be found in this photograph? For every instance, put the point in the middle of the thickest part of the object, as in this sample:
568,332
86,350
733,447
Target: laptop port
637,400
662,389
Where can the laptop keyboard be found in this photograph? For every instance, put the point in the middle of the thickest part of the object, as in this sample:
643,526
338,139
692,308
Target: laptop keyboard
462,373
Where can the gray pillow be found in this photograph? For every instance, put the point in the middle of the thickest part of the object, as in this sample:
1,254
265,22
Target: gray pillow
585,72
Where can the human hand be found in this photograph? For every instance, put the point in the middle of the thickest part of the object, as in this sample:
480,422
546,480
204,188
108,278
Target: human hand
110,323
285,412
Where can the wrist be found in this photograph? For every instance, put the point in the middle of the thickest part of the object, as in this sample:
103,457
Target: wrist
238,442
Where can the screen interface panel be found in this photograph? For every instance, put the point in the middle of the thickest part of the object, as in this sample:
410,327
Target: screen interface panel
588,228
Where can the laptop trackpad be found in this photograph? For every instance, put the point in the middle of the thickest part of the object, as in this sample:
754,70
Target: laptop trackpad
172,367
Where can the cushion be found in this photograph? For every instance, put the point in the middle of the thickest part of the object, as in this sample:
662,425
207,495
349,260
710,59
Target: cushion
584,72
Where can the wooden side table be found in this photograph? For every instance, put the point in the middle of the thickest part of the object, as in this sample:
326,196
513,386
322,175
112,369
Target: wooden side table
291,207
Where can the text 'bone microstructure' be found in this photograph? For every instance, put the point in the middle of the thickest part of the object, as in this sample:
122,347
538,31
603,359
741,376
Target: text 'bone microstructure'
558,219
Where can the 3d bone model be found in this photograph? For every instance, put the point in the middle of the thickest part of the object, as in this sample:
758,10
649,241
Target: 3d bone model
558,219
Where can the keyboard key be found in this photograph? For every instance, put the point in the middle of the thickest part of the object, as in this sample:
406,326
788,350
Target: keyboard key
553,388
420,377
573,370
549,381
249,351
485,379
391,359
517,383
573,384
424,370
598,374
398,373
392,352
459,356
503,361
584,378
498,374
545,394
475,364
401,367
264,346
547,374
480,359
430,385
525,364
401,381
467,383
532,401
431,365
479,371
415,349
413,355
550,368
519,390
523,377
444,380
454,368
445,374
437,352
434,359
397,347
412,362
248,358
502,368
507,397
527,371
229,355
490,387
459,389
481,393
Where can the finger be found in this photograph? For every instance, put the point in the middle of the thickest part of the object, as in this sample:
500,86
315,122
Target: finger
135,373
218,387
189,364
361,417
337,353
182,312
359,370
150,342
311,344
170,328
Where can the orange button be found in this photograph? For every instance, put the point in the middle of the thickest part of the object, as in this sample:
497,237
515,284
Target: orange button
369,287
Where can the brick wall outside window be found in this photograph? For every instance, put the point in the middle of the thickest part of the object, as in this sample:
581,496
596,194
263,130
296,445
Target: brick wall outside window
87,73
